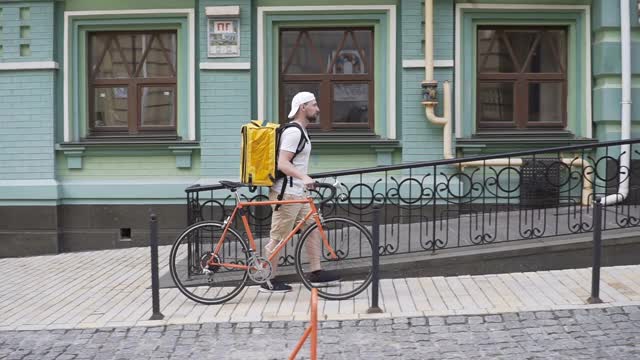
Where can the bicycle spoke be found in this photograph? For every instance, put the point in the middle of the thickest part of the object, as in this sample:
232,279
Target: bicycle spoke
194,266
352,244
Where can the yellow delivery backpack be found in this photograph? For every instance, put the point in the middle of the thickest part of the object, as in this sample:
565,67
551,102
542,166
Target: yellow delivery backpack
259,157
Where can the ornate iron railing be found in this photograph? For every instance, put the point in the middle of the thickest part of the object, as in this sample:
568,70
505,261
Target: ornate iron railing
475,201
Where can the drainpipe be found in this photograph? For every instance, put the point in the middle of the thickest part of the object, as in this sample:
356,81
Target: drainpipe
587,187
430,86
430,100
625,124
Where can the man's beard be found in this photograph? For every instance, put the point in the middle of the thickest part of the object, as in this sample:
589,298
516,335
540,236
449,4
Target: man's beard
312,118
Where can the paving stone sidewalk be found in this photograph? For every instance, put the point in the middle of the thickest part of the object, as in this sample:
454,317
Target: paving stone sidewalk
611,333
111,289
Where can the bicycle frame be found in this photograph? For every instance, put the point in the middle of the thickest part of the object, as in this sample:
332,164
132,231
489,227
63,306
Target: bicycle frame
241,209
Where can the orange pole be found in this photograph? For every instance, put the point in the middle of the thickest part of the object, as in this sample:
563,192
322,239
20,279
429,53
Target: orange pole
314,324
300,343
312,330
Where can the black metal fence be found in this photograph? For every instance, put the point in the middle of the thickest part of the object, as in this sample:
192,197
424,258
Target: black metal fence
475,201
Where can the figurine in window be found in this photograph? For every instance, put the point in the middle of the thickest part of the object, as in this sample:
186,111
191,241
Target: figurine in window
348,62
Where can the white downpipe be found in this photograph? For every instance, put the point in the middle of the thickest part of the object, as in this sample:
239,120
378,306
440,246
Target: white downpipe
445,120
625,122
428,40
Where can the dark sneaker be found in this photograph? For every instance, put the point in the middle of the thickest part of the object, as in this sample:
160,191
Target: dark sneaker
276,287
322,278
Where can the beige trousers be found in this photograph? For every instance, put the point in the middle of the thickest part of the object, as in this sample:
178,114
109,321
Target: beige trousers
283,221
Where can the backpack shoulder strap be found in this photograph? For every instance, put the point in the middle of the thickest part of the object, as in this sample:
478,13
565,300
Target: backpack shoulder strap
299,148
303,137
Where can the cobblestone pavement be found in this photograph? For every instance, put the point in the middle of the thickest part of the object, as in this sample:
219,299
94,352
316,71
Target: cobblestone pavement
80,296
601,333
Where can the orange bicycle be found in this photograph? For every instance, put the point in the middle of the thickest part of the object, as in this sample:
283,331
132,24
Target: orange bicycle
211,263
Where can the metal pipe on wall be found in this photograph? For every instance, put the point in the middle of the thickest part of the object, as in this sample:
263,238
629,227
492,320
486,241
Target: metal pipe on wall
625,121
430,86
429,100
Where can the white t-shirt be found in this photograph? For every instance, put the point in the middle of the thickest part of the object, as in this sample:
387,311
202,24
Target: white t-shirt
289,141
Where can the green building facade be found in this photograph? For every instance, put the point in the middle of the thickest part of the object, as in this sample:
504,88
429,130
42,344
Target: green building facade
110,109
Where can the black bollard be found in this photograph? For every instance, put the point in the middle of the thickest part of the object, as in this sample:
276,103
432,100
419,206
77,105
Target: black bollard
375,258
597,253
155,286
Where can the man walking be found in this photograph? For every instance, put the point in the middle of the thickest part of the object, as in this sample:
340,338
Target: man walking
294,163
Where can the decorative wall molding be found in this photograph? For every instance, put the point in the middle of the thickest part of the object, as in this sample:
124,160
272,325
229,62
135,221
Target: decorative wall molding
29,65
225,66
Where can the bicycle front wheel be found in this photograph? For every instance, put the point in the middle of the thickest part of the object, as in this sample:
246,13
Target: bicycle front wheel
351,243
189,259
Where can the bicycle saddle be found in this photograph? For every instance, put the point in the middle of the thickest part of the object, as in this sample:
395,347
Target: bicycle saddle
231,185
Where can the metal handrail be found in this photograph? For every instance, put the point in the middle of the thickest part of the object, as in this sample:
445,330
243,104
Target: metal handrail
411,165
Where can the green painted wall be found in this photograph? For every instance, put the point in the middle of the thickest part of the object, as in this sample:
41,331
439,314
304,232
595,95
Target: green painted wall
606,53
121,173
339,159
27,31
27,102
412,29
421,140
87,5
225,100
26,97
375,19
607,83
126,167
324,2
245,30
606,14
527,2
26,121
576,22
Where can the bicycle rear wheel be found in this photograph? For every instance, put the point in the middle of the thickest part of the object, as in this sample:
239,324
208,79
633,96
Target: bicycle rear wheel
190,254
352,244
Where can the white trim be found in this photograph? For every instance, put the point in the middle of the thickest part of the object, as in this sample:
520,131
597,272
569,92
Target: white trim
260,62
232,10
588,80
29,65
225,66
456,71
420,63
549,7
391,109
24,183
127,12
191,98
507,7
192,74
65,90
390,9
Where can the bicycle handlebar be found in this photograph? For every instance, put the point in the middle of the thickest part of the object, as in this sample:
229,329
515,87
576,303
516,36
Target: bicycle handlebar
319,185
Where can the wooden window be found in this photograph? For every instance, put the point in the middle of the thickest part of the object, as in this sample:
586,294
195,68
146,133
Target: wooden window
522,78
337,66
132,83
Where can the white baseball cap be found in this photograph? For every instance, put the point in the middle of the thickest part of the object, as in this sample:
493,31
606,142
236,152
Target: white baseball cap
302,97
